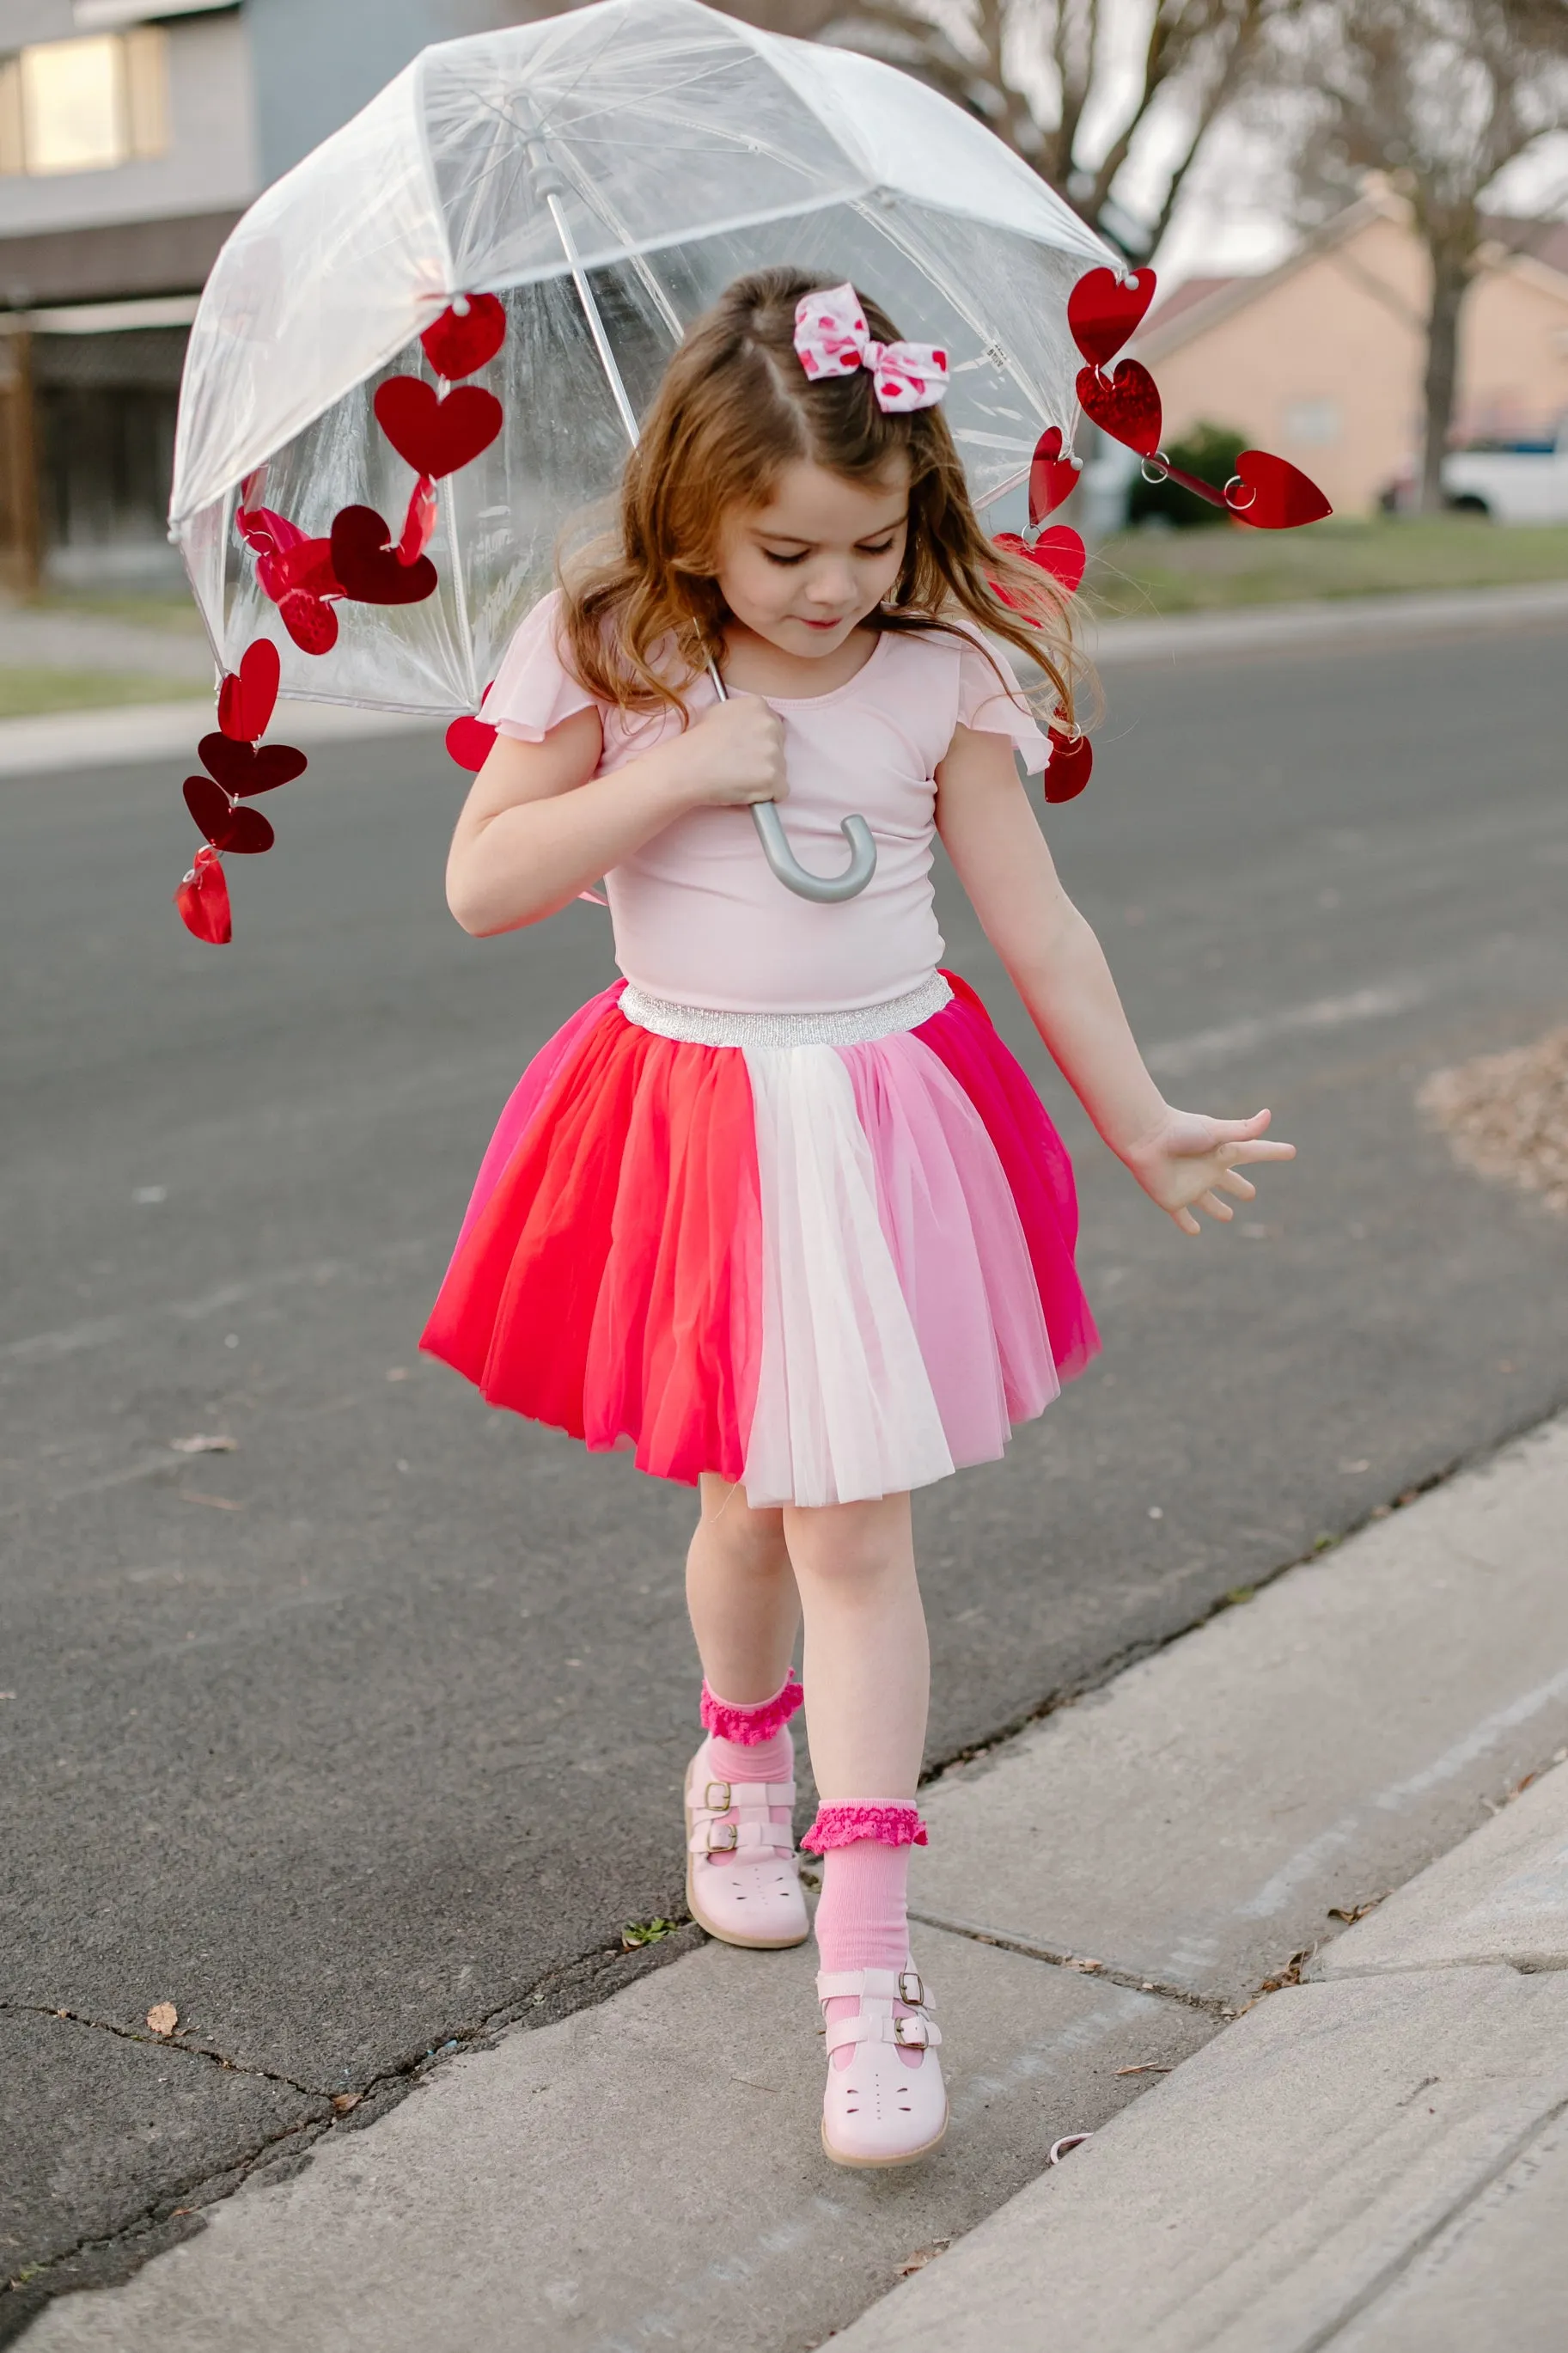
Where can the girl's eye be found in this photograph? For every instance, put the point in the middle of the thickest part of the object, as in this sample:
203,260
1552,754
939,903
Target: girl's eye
885,549
799,558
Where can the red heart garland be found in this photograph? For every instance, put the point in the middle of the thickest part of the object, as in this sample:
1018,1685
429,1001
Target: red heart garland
1060,551
1053,478
310,622
419,522
226,825
1274,495
245,769
203,899
457,343
245,700
307,566
471,743
368,565
1125,405
434,436
1068,769
1103,311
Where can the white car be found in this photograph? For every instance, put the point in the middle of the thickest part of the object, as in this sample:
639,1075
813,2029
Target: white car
1518,481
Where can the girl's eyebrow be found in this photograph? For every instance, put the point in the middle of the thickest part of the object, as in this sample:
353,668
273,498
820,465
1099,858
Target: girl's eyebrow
793,539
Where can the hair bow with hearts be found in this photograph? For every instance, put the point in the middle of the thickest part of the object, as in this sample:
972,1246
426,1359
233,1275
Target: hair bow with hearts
831,338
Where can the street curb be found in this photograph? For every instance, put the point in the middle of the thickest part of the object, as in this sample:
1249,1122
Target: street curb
160,731
144,731
1323,621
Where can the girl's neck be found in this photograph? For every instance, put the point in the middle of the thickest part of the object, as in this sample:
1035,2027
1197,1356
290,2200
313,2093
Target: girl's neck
752,665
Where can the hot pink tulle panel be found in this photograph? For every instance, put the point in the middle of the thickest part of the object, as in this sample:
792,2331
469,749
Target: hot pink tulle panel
1034,1159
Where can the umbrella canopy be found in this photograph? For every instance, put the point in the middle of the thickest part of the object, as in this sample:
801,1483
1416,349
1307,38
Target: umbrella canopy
677,148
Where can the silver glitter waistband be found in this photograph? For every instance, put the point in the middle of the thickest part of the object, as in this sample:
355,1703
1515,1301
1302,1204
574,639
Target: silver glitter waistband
697,1025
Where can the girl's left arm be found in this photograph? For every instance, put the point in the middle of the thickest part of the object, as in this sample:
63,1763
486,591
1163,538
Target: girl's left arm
1184,1160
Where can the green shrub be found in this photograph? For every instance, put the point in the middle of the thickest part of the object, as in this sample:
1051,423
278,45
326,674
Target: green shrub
1209,451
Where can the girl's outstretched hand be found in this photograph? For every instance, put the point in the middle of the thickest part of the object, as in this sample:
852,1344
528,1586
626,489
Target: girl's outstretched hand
1188,1160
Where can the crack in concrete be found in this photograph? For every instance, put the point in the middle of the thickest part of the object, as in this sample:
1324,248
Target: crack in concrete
175,2042
1102,1972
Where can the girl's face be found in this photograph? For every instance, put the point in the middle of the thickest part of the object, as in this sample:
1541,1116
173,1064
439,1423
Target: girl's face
805,569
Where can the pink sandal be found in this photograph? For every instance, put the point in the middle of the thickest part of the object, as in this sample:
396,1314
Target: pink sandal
742,1875
876,2110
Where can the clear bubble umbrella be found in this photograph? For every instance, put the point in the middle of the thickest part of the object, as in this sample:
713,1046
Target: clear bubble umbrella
602,176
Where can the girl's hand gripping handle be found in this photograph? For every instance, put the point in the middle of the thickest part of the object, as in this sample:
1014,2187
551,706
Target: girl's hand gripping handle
734,756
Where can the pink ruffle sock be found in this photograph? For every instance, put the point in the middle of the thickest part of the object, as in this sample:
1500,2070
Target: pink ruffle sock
862,1918
752,1743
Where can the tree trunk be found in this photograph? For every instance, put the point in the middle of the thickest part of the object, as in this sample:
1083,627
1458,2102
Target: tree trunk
1451,277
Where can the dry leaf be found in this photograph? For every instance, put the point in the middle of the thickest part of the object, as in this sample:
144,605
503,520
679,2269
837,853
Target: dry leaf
923,2255
1147,2068
204,1444
162,2018
343,2101
1507,1115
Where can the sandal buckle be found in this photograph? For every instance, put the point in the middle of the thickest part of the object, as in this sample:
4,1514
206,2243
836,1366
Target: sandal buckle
910,2033
716,1799
723,1838
912,1988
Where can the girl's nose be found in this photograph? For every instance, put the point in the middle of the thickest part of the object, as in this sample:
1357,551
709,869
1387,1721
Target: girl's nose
833,586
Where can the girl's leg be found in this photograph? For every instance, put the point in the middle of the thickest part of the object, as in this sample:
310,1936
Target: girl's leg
742,1883
868,1677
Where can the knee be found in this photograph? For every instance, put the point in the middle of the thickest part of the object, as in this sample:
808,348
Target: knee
853,1548
753,1543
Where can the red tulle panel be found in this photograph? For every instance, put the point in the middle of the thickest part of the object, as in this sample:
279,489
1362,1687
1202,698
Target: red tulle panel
609,1282
1034,1158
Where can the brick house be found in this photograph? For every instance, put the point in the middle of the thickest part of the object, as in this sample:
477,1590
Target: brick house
1322,358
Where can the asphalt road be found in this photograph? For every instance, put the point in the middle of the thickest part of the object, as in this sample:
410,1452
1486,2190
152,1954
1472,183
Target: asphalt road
367,1735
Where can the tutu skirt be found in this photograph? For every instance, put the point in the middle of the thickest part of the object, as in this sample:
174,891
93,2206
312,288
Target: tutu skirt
830,1270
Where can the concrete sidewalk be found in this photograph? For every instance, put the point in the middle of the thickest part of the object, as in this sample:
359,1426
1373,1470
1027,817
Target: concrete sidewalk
1101,1898
1374,2160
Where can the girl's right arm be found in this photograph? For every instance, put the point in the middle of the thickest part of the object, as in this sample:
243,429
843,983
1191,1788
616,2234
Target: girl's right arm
540,826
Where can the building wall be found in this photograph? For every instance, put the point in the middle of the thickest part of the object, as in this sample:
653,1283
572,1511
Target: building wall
210,163
1324,364
354,48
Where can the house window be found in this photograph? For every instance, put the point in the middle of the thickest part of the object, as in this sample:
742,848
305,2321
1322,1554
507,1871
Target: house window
85,105
1315,421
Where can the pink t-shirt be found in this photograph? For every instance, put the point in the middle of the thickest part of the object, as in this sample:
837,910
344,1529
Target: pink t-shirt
699,915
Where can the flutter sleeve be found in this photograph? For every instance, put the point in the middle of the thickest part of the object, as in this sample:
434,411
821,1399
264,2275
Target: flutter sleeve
533,689
994,705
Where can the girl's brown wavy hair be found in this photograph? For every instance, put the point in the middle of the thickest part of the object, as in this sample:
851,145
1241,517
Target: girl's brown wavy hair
734,408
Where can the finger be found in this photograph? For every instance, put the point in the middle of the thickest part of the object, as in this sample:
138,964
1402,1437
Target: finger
1230,1182
1237,1131
1243,1154
1187,1222
1216,1208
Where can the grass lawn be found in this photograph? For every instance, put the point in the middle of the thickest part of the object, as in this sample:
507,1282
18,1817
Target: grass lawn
25,692
174,611
1145,573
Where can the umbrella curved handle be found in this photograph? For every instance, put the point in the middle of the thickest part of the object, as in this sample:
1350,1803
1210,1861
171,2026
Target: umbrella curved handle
826,889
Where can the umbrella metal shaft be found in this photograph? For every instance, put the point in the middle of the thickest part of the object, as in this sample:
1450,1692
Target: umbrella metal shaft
825,888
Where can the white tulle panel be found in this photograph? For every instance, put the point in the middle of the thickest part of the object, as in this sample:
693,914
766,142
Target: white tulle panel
845,1406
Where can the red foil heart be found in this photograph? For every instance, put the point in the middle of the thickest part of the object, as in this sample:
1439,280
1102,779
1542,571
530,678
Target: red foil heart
1053,478
369,567
434,436
1068,769
309,621
1060,551
1125,405
244,831
456,344
246,698
1103,311
203,899
471,743
307,566
244,769
1274,495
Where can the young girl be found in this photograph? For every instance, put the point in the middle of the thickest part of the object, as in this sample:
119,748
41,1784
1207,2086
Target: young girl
779,1212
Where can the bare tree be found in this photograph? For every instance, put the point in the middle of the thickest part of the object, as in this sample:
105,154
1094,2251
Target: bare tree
1080,88
1440,95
